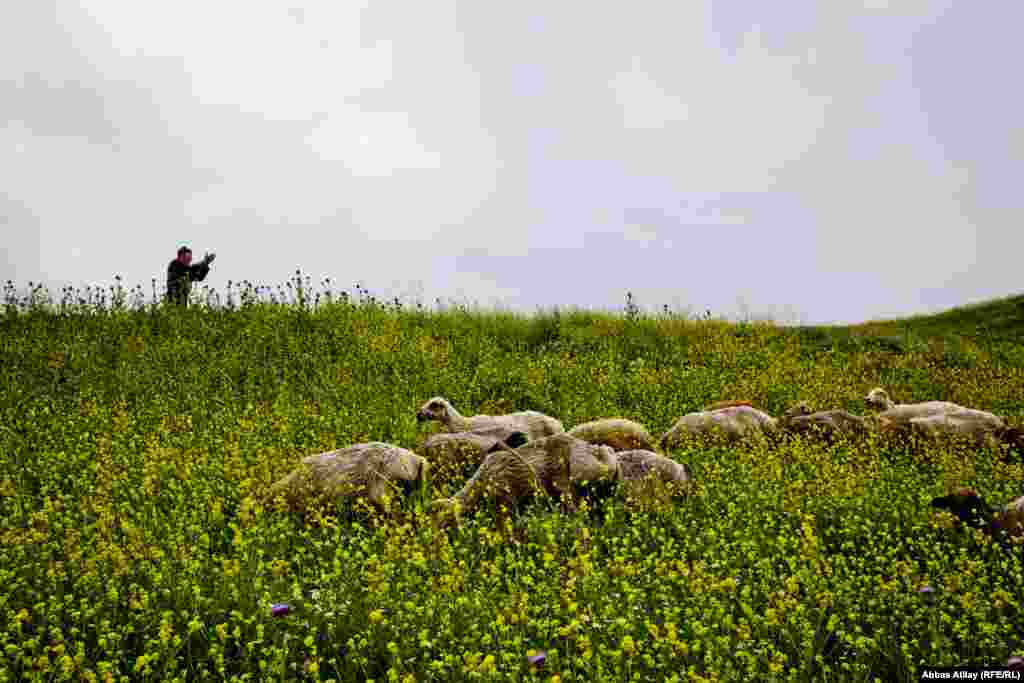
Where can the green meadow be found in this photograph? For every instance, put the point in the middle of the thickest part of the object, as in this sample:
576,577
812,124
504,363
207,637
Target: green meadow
137,438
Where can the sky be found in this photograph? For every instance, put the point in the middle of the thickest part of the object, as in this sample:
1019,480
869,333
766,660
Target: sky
808,162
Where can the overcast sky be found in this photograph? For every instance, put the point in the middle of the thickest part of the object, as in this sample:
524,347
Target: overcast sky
827,161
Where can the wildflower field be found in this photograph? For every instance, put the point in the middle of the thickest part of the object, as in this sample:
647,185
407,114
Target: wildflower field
137,438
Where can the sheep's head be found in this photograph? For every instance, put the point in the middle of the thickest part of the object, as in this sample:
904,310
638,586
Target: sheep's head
967,505
1012,437
436,408
513,440
798,409
878,398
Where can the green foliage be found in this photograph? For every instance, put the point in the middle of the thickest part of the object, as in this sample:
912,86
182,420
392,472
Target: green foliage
136,441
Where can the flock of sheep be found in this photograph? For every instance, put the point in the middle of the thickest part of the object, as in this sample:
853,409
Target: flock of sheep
519,456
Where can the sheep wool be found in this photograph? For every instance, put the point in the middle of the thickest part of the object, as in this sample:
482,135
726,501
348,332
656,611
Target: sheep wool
534,424
638,464
731,423
458,455
377,472
830,424
967,424
619,433
901,412
553,466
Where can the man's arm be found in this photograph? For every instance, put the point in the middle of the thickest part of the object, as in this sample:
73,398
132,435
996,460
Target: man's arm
199,271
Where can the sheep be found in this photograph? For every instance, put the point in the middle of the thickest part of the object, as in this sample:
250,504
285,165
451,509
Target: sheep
973,511
732,423
619,433
639,463
830,424
534,424
459,454
647,477
558,466
904,412
376,472
962,424
941,418
437,445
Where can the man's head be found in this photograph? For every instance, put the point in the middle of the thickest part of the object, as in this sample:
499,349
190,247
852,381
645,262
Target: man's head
185,256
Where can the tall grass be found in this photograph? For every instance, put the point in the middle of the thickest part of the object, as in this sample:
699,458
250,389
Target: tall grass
137,437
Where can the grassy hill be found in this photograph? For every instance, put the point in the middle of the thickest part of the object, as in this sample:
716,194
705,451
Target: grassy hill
997,320
136,442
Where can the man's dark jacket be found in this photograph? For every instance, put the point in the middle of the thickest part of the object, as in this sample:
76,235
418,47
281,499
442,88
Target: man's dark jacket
180,278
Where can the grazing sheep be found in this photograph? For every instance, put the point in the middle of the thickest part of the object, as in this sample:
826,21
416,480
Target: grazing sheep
903,412
534,424
458,455
933,419
438,445
829,424
967,424
973,511
555,466
377,472
648,477
619,433
732,423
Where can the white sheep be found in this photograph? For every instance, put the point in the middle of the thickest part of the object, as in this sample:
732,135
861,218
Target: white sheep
619,433
639,463
939,418
902,412
557,466
438,446
376,472
732,423
646,477
532,423
968,424
459,454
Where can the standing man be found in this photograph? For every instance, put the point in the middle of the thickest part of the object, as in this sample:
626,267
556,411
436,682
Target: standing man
181,274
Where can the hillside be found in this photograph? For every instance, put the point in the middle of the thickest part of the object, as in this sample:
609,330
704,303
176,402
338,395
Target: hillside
135,444
1000,319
